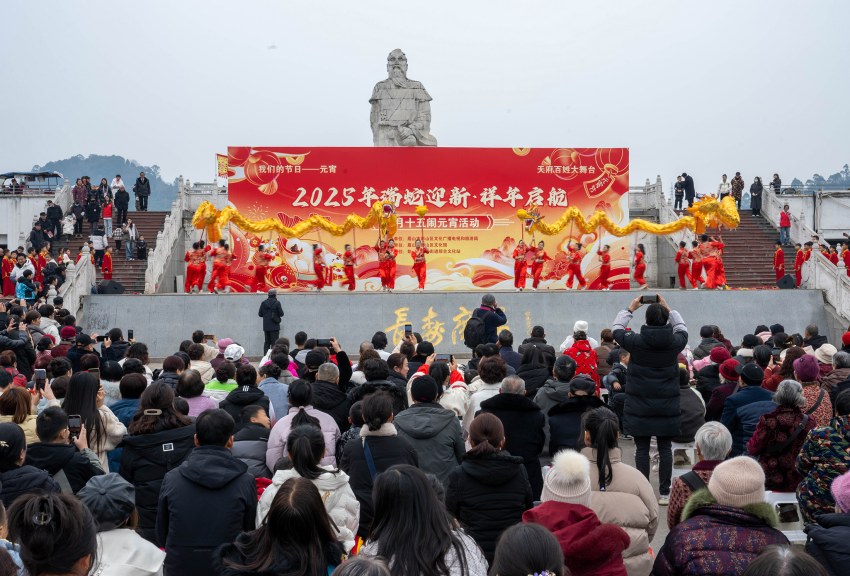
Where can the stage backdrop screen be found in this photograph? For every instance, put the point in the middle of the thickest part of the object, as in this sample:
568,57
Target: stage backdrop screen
471,226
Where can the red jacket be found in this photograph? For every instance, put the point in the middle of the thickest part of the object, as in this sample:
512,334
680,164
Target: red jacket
586,359
779,259
590,547
784,220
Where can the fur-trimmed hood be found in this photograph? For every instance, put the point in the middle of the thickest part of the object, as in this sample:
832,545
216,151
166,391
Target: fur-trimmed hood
703,502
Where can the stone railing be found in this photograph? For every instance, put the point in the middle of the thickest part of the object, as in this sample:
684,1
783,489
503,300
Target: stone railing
821,274
79,278
63,197
166,241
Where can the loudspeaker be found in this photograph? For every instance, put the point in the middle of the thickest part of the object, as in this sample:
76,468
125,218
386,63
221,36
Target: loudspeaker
786,282
110,287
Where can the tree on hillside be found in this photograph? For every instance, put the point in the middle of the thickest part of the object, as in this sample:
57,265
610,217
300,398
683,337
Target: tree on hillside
838,180
97,166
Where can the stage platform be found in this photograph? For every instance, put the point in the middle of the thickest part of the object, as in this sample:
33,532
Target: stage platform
162,321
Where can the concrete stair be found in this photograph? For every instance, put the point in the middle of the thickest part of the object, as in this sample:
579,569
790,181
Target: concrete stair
131,274
748,255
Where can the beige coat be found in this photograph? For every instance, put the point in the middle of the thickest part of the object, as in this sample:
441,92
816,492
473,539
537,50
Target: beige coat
630,503
28,426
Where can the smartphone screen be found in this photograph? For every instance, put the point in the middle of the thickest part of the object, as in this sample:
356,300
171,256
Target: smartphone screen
408,329
75,423
649,299
443,358
129,334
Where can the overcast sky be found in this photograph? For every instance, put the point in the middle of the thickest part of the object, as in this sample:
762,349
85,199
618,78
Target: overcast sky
706,87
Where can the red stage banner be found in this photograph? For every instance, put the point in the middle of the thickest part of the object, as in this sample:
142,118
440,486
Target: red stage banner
471,227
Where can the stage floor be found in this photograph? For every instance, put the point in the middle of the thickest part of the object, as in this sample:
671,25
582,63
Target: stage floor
164,320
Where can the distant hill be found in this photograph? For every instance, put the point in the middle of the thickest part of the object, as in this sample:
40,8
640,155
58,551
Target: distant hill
840,179
97,167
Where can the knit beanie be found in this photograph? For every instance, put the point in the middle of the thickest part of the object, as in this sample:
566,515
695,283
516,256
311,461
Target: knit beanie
845,339
424,389
841,492
581,326
737,482
727,370
806,368
719,354
568,480
223,344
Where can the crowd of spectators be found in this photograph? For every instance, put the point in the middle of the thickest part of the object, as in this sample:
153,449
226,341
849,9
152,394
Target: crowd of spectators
409,462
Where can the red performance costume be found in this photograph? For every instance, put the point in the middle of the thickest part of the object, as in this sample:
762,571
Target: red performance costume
106,266
779,263
391,254
604,269
220,276
846,257
261,260
540,257
348,265
696,265
715,275
520,266
319,267
833,257
640,269
196,269
684,268
8,286
799,258
574,267
419,266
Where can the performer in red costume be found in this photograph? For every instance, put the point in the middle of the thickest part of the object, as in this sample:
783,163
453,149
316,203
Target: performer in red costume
540,257
684,266
799,258
196,268
779,261
419,266
520,266
106,266
833,255
640,267
221,268
845,256
261,260
391,254
381,249
33,258
8,264
574,266
711,250
348,260
319,266
696,263
604,266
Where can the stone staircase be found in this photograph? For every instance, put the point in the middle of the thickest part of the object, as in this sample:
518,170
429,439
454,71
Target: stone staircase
131,274
748,255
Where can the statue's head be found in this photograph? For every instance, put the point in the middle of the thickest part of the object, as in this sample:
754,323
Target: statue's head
397,64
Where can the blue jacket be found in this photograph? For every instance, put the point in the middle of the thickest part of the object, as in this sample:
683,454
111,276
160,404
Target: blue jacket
124,411
741,413
277,393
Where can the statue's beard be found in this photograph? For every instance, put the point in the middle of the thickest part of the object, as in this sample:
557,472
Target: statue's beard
398,77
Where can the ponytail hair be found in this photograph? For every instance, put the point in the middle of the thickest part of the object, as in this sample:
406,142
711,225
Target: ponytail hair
300,393
377,410
486,434
304,419
306,447
604,429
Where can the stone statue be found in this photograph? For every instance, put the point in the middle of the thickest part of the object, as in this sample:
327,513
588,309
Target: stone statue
401,108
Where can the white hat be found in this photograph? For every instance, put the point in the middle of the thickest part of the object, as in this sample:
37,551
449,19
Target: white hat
234,352
568,480
581,326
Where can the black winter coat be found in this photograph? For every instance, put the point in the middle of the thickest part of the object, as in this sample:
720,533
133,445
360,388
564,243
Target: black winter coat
524,436
142,188
827,542
541,343
328,398
652,390
115,352
690,191
272,313
250,445
692,410
488,494
122,199
565,429
534,378
707,380
387,451
398,393
243,396
54,213
55,457
169,378
206,502
25,355
24,480
145,460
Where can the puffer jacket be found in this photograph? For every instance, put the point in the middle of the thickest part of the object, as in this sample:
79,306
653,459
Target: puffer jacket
714,539
250,445
628,502
705,347
487,494
692,410
243,396
825,456
590,547
435,434
23,480
741,413
652,388
565,422
145,460
534,378
827,542
552,393
337,495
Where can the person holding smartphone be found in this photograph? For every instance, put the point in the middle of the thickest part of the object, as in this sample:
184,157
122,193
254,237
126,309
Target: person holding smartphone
652,388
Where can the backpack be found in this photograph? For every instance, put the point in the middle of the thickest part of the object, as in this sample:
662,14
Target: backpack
586,363
473,332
